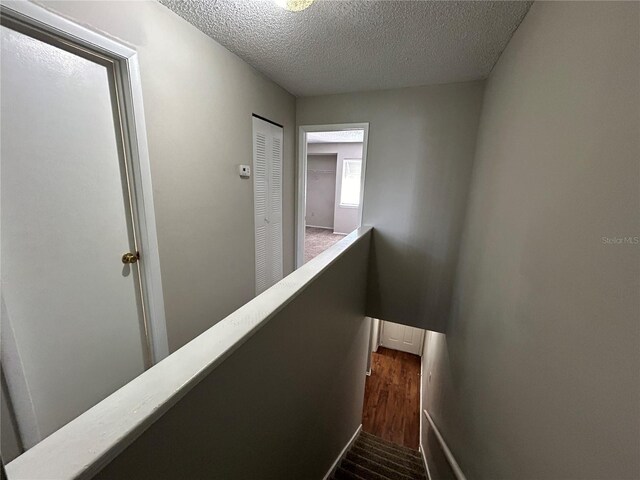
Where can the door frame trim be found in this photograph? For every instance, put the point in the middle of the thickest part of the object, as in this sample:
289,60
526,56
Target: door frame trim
301,184
127,72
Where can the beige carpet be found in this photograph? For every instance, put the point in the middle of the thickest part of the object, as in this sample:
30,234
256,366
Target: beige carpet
317,240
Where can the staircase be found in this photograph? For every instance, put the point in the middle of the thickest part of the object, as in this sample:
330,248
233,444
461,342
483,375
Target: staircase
372,458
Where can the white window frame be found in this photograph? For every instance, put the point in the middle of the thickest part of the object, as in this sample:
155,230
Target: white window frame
344,162
301,193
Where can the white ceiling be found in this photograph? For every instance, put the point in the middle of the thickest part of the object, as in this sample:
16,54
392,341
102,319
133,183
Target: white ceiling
338,136
339,46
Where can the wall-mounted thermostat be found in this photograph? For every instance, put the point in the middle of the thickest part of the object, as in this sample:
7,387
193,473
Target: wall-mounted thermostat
244,170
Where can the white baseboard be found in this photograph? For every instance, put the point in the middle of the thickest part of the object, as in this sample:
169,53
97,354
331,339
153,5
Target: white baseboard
424,459
318,226
343,453
447,453
422,360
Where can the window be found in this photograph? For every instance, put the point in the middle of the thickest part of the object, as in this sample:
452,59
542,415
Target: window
350,190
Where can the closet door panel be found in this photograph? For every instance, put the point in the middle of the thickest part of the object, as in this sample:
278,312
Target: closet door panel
275,207
267,190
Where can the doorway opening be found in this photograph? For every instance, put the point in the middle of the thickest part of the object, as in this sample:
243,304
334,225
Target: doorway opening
392,398
331,169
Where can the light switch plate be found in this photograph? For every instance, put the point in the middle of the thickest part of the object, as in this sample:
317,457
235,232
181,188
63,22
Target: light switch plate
244,171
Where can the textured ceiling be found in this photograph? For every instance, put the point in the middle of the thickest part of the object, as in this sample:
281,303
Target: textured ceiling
338,136
339,46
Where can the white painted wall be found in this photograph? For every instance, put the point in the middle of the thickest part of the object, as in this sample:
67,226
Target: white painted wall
537,376
375,337
419,159
198,100
345,218
321,190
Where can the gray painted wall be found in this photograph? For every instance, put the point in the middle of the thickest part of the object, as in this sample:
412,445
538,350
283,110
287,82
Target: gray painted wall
345,219
419,159
10,444
278,407
436,380
321,190
198,100
537,377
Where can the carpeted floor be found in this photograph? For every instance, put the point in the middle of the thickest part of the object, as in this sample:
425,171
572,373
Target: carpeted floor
317,240
372,458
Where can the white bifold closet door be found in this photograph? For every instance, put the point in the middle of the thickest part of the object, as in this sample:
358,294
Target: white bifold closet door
267,194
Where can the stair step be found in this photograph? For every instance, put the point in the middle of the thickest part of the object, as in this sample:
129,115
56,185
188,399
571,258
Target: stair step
368,474
407,467
388,469
342,474
388,444
361,471
381,450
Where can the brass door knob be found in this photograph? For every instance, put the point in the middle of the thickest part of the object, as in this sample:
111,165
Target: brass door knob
130,257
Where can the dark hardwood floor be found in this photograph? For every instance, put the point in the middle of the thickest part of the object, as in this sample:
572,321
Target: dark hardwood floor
392,397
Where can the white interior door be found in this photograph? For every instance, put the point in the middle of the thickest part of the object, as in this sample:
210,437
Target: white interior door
402,337
267,191
72,306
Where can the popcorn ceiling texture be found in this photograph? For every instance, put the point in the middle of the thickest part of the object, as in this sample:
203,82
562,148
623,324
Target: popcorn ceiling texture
347,46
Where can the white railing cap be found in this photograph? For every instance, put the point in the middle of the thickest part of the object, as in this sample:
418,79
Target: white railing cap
85,445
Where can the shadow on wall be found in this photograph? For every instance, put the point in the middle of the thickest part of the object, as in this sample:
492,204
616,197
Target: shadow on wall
400,273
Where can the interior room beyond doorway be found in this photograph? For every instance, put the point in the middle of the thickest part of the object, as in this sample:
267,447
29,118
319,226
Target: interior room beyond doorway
332,160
